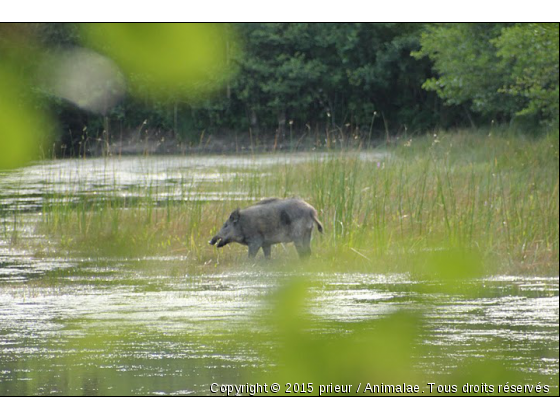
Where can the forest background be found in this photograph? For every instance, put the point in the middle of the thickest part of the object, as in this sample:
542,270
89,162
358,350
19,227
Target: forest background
312,84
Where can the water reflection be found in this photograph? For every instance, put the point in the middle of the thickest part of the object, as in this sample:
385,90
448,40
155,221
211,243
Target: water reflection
72,324
164,334
176,177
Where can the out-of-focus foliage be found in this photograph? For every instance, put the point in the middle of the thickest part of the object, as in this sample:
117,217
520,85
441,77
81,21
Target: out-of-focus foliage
90,81
167,60
389,350
376,351
162,64
499,70
22,127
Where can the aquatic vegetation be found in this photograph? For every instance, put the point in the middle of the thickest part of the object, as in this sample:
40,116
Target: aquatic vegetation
494,196
108,285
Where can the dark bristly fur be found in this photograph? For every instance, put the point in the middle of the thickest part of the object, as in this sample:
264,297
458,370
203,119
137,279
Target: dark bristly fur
268,222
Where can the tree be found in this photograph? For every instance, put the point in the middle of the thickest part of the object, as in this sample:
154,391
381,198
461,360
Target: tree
468,69
498,70
530,51
334,74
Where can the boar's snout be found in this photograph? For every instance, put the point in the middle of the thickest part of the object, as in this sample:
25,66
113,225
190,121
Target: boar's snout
221,241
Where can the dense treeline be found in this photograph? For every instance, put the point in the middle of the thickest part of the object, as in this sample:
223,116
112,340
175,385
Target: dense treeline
360,80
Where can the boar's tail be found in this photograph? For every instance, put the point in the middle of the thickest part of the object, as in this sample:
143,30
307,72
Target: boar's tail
319,225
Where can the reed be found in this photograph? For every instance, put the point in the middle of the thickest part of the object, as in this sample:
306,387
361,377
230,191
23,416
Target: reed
494,195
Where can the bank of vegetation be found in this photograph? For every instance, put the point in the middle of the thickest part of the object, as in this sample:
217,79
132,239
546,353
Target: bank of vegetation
492,196
291,83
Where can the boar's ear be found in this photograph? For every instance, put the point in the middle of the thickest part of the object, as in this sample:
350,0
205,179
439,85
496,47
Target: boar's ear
234,217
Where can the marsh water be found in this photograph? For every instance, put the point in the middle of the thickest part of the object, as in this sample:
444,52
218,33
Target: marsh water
73,323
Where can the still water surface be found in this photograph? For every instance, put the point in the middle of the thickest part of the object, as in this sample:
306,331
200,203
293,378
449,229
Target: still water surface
72,324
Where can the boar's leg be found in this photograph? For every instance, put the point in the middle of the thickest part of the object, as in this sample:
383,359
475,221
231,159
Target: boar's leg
253,249
254,242
266,250
306,240
304,246
303,250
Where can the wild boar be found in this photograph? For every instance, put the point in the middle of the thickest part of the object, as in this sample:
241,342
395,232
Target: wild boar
270,221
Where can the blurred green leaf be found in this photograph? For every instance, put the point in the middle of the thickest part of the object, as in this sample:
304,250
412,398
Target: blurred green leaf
450,271
22,127
380,350
167,60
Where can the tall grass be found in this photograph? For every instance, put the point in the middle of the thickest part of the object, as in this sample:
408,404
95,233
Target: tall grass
496,196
